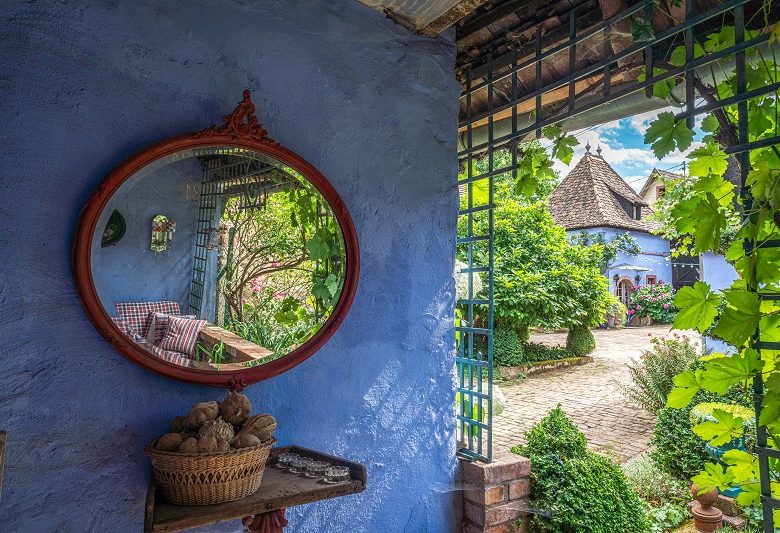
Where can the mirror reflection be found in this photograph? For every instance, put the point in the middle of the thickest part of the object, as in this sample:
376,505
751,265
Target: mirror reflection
229,259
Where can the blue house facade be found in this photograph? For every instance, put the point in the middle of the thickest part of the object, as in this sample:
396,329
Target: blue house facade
594,199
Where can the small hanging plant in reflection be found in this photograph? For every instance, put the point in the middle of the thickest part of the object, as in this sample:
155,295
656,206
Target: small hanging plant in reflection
162,233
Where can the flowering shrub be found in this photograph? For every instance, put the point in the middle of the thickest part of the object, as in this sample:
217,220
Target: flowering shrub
655,301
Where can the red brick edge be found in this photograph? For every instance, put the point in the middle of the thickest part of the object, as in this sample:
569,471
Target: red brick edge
496,495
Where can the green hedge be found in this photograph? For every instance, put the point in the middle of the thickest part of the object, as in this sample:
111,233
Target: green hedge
507,347
575,490
580,341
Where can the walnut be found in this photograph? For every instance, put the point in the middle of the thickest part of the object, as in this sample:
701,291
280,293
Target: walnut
207,444
246,440
223,445
201,413
169,442
235,408
261,426
189,446
218,429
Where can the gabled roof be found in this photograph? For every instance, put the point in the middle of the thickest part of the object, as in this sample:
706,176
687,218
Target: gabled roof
589,197
653,178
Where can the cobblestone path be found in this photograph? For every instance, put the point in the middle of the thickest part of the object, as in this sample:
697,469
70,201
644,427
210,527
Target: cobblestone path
612,425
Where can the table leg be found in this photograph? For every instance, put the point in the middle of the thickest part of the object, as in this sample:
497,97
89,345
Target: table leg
271,522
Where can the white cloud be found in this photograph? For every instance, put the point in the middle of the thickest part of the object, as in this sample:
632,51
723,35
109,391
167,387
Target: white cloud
640,160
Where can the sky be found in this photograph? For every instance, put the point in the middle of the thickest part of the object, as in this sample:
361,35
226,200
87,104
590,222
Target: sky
624,149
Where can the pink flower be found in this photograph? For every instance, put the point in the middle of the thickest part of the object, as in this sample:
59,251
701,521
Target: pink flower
666,306
630,311
638,307
280,295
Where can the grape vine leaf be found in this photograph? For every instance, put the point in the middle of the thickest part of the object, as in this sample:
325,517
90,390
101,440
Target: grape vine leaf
686,387
642,30
742,464
775,35
713,477
710,124
707,159
750,495
665,134
719,375
563,148
710,219
678,54
724,429
722,190
739,320
770,409
764,182
698,307
662,88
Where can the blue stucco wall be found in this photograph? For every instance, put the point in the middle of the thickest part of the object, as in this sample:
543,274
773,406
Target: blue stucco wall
654,256
86,84
719,274
129,271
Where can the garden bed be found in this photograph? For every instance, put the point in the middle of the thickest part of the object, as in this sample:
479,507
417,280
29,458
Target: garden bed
514,372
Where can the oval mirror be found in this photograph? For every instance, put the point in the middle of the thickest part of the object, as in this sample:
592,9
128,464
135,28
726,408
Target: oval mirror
238,259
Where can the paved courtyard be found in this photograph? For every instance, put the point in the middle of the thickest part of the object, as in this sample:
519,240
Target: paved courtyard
612,425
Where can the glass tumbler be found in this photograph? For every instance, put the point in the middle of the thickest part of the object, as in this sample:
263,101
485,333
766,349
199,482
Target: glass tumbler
336,474
317,469
299,465
284,459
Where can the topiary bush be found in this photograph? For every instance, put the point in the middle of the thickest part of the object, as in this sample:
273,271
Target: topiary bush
535,352
507,347
576,490
580,341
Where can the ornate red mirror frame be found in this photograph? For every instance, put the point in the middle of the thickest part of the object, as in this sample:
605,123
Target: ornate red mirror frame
240,129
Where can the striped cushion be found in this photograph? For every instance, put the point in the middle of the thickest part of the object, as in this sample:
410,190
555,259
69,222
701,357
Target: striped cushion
136,314
182,334
157,325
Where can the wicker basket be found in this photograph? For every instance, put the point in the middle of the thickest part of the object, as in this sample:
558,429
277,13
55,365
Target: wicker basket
207,478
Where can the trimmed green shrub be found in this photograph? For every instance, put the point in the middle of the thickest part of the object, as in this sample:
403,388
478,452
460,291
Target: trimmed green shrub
576,490
507,348
535,352
580,341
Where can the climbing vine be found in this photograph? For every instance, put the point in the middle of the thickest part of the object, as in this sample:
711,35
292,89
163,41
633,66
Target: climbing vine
736,315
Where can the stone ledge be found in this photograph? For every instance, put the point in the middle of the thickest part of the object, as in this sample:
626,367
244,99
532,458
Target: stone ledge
513,372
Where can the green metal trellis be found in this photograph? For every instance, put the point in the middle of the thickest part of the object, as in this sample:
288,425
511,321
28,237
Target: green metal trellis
475,359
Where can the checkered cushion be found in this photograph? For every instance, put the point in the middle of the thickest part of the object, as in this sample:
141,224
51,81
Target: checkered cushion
157,325
182,334
136,314
176,358
123,326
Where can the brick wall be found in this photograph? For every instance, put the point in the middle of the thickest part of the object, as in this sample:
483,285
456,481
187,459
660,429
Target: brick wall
496,495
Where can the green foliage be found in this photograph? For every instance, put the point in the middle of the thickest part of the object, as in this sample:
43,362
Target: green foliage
507,348
666,517
580,341
581,491
563,144
677,450
536,352
653,484
652,376
666,134
617,311
622,242
539,278
655,301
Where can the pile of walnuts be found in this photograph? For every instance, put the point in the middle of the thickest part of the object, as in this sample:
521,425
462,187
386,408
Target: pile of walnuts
213,426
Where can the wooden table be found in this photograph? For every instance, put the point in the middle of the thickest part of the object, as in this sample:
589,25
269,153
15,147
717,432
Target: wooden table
263,511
